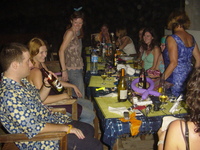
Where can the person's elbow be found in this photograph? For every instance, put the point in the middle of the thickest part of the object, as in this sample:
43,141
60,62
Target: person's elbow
173,64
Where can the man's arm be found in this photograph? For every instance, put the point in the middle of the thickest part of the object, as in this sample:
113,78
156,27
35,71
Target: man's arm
61,127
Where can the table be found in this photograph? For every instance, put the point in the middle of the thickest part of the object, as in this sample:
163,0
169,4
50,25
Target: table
112,128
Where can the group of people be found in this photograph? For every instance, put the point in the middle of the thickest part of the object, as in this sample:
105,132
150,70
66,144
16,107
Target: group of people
25,92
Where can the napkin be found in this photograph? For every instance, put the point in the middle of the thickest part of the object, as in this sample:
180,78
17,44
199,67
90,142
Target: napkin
129,70
166,121
120,66
118,110
110,95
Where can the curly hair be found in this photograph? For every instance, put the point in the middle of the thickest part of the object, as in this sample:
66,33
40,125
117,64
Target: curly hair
154,40
193,98
178,18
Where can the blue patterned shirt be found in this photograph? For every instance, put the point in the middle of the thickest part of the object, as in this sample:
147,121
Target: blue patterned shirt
22,111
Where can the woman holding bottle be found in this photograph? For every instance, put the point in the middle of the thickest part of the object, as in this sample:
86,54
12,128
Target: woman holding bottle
38,53
70,55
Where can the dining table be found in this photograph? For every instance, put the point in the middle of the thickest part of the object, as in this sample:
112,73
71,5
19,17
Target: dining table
112,128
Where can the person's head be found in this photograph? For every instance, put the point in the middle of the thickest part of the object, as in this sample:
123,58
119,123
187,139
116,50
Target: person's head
121,32
38,50
178,18
163,43
140,33
16,57
149,38
193,98
77,19
104,28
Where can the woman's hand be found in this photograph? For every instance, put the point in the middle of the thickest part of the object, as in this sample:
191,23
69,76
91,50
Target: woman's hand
161,134
65,76
78,133
77,91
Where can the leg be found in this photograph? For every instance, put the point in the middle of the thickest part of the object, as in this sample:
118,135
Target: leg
87,114
89,143
76,78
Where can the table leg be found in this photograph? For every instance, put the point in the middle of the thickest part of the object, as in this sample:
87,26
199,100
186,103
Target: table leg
115,146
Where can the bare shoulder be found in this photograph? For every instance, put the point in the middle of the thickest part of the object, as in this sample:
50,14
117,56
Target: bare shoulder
68,33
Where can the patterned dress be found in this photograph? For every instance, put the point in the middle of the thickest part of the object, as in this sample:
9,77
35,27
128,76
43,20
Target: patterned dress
22,111
182,70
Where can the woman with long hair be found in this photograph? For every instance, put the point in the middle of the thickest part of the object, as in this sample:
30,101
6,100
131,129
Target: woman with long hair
185,134
70,55
151,50
38,53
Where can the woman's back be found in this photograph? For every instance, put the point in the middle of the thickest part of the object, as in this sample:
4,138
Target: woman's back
175,139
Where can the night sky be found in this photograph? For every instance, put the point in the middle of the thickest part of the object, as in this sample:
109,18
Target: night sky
23,19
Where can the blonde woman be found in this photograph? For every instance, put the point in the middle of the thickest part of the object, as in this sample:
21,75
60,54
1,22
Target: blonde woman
124,42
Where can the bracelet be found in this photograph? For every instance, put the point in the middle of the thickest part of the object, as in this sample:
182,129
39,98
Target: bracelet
47,86
160,142
70,127
63,70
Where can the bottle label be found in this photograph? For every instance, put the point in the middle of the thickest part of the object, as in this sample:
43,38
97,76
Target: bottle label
123,94
58,85
94,59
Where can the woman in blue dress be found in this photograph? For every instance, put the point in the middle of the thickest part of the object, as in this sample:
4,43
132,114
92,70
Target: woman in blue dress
180,47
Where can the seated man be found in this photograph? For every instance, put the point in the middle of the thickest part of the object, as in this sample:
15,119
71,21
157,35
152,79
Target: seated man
22,110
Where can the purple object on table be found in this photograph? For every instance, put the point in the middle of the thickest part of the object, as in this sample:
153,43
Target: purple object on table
145,92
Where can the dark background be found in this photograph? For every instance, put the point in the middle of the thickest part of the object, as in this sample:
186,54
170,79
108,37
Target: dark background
20,20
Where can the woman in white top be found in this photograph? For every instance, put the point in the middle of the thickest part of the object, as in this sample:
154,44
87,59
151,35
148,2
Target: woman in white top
124,42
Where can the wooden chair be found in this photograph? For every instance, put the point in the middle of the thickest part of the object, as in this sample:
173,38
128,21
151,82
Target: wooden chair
9,139
72,102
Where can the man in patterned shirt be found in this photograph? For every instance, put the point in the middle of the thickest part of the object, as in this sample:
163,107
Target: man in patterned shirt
22,111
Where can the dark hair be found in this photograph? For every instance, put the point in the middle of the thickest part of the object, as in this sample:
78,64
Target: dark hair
76,15
178,18
11,52
193,98
154,40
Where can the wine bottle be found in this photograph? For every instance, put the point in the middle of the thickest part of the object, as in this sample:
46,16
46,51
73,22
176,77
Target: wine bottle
122,87
142,79
53,81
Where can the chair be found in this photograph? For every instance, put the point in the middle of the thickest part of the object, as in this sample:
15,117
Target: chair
72,102
9,139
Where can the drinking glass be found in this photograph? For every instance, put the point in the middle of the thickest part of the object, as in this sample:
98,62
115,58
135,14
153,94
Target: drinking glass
163,97
104,76
109,73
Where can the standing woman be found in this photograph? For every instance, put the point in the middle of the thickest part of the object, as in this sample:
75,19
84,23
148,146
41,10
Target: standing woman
70,55
151,49
180,47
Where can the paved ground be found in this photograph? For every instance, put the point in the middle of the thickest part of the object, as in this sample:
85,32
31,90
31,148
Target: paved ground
135,143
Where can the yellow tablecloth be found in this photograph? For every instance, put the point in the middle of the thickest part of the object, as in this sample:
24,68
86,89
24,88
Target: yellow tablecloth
96,81
100,66
167,107
105,102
